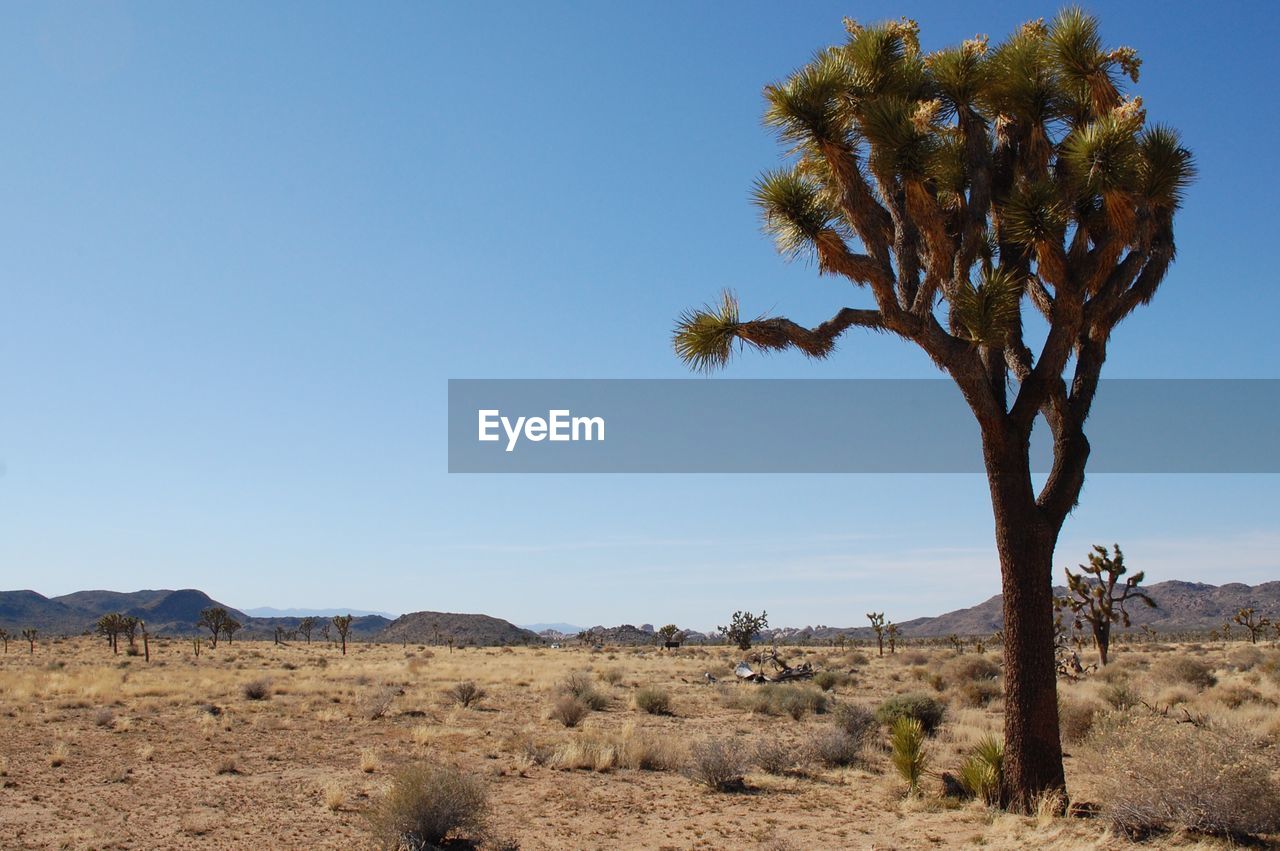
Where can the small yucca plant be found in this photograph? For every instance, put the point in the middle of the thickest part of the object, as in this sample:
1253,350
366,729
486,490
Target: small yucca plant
980,773
906,740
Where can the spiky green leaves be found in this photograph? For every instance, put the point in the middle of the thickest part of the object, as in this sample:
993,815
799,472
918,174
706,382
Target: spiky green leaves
959,74
704,337
985,313
1103,157
807,109
1035,214
1165,168
795,211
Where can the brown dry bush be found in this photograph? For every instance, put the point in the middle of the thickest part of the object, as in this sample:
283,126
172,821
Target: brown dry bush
969,668
580,687
653,700
257,690
466,694
1076,719
1184,670
427,804
1151,773
717,764
569,711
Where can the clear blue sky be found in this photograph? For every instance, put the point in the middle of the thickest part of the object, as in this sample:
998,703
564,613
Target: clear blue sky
246,244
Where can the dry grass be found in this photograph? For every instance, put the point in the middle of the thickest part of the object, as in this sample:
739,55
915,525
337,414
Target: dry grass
300,756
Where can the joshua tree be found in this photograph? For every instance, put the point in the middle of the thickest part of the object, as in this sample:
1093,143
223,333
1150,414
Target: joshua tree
109,626
129,626
669,634
877,624
230,626
972,191
1094,599
743,628
342,623
213,619
4,637
305,626
1248,619
891,633
146,641
30,635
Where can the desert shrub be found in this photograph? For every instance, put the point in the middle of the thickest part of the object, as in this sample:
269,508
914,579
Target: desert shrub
1152,774
426,804
612,676
1235,695
1184,670
376,704
646,751
913,657
717,764
580,687
979,774
1120,695
256,690
104,717
653,700
798,701
858,722
466,694
857,657
826,680
907,751
774,757
969,668
835,748
1076,719
977,692
569,710
921,707
1245,658
1120,671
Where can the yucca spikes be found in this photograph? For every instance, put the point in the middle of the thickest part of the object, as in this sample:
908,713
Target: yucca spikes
986,312
1035,214
1165,168
807,108
959,73
704,337
795,211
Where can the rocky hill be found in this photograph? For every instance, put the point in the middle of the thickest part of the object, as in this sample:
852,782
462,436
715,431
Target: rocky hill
165,613
463,629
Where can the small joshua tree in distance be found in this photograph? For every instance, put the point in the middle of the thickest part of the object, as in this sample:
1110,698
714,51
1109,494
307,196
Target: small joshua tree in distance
342,623
891,632
30,635
305,626
877,624
213,619
1095,600
1249,619
4,637
744,627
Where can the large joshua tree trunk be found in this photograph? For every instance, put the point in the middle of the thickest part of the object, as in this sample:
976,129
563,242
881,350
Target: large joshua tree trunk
1025,541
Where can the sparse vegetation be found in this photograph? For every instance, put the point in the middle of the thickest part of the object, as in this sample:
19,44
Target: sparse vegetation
653,700
718,764
256,690
920,707
427,804
1155,774
467,694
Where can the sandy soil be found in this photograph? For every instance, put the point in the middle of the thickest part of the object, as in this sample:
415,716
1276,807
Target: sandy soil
103,751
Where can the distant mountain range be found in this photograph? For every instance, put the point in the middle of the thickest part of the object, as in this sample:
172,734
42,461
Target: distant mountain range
269,612
560,628
1182,607
165,613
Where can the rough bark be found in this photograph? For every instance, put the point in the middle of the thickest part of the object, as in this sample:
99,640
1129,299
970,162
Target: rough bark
1025,542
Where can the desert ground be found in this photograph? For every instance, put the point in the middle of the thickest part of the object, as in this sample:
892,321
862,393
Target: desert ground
254,745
